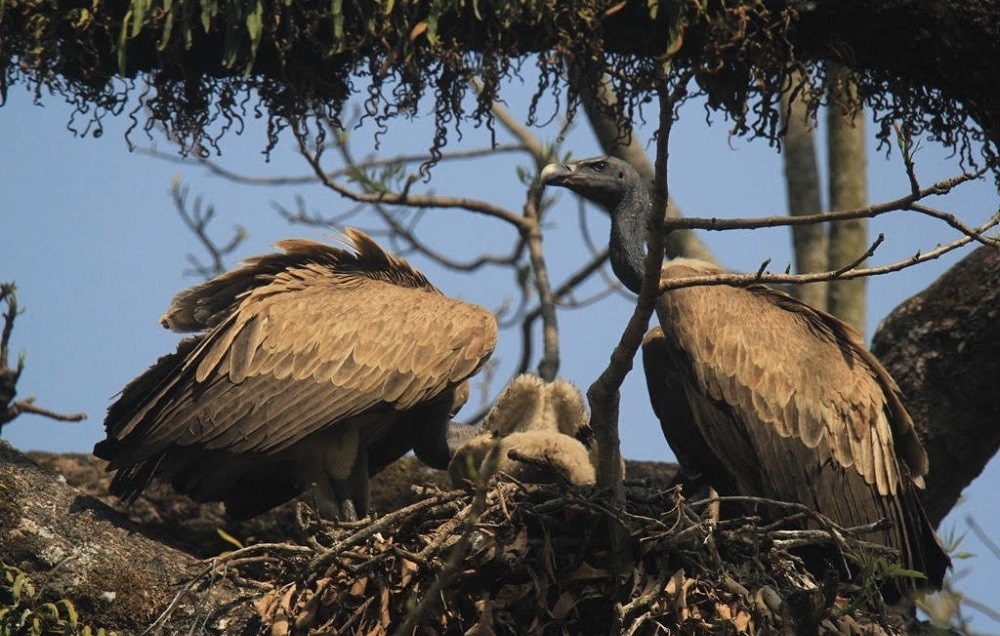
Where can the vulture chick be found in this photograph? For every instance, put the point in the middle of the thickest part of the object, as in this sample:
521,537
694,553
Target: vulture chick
315,368
762,395
535,432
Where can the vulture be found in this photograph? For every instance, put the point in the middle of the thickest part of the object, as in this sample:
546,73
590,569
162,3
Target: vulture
759,394
314,368
537,432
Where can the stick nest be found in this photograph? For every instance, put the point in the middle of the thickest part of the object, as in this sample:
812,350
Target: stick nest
515,559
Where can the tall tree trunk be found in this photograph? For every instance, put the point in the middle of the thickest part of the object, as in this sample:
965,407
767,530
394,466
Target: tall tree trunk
802,185
848,190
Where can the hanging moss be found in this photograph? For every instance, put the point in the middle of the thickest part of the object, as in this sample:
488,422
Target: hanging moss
201,67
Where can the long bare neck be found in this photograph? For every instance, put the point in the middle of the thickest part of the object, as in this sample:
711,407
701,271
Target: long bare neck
628,235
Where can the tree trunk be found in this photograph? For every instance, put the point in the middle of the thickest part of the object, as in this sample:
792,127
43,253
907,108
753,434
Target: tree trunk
74,547
943,348
848,191
802,184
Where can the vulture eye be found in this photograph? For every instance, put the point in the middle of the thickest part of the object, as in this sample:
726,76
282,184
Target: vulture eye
600,166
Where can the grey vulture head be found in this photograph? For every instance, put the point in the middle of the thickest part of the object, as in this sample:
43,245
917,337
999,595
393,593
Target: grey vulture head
762,395
313,369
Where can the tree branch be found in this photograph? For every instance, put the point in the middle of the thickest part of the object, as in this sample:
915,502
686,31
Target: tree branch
402,198
871,211
797,279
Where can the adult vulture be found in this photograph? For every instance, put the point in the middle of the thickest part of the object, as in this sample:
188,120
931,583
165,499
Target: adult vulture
316,368
762,395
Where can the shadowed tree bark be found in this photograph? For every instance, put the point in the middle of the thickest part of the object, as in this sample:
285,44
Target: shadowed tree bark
804,197
848,191
943,348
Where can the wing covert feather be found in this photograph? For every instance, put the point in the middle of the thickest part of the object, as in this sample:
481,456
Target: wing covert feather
317,335
793,371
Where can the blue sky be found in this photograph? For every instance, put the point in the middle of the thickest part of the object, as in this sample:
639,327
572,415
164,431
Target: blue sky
92,240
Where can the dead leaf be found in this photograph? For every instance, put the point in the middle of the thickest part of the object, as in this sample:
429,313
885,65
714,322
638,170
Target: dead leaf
723,611
359,585
587,572
407,569
675,585
386,617
418,30
483,626
613,9
742,621
519,546
512,593
562,606
274,609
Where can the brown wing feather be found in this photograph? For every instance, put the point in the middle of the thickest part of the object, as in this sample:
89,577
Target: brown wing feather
317,335
793,408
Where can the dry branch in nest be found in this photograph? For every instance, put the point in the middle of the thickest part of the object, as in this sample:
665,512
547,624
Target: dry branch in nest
536,559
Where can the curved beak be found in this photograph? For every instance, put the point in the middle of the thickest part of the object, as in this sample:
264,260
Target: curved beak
556,173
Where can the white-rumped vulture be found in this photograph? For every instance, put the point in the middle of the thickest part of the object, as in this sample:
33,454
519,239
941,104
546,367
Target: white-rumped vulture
316,367
762,395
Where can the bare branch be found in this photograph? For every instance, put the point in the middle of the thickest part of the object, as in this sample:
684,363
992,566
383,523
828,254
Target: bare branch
802,185
541,153
402,198
27,405
8,294
548,366
953,221
796,279
221,171
9,376
197,219
871,211
604,393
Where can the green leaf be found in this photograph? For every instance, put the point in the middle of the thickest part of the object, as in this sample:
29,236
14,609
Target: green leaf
123,40
23,587
50,610
168,24
337,16
71,616
228,538
208,11
255,29
139,8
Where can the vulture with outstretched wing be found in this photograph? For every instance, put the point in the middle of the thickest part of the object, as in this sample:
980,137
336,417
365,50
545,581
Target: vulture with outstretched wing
761,395
316,367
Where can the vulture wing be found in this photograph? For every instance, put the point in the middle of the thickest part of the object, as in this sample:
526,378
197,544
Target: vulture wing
776,399
297,343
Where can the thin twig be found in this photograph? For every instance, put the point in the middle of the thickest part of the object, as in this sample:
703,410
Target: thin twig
797,279
871,211
244,179
404,198
391,520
